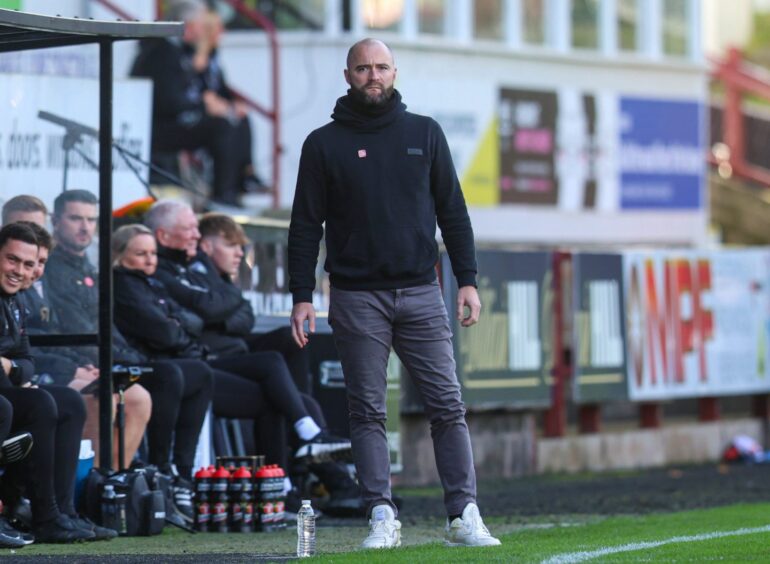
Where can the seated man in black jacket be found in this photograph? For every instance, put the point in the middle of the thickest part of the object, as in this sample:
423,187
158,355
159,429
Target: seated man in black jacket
193,107
222,241
175,227
53,415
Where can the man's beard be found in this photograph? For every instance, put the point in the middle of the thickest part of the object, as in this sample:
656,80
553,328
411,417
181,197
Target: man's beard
372,100
73,246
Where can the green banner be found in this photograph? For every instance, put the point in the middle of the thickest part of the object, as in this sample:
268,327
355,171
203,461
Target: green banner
10,4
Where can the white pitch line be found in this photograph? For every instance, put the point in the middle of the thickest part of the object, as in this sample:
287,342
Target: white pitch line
575,557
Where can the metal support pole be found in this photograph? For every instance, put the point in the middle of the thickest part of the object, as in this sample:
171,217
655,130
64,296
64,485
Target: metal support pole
105,264
708,410
650,415
121,421
555,419
589,419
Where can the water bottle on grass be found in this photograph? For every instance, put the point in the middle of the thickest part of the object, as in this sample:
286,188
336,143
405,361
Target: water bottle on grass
305,530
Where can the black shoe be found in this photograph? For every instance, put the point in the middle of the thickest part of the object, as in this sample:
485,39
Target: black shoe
324,446
20,514
251,184
100,533
61,530
345,502
16,448
7,541
182,500
12,538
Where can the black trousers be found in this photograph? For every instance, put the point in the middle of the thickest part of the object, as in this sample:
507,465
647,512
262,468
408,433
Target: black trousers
228,144
297,359
181,391
258,386
268,380
55,416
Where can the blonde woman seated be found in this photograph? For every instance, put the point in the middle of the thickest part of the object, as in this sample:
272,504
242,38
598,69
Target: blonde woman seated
77,370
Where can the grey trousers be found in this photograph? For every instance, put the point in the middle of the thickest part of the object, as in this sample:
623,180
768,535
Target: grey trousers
366,324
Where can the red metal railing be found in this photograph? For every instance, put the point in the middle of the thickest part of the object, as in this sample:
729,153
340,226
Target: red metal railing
555,418
273,114
117,10
738,78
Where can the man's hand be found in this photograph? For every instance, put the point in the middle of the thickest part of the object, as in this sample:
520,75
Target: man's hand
300,313
84,375
467,296
216,106
6,365
241,109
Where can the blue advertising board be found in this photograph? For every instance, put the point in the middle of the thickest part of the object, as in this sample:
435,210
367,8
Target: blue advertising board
662,156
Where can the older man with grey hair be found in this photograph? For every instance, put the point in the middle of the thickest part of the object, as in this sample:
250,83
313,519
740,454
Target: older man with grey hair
244,382
193,108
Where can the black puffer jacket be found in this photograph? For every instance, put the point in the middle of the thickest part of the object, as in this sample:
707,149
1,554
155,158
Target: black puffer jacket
223,338
151,321
185,281
14,343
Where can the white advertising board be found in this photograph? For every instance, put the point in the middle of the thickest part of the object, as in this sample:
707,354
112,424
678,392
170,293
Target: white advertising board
697,323
31,152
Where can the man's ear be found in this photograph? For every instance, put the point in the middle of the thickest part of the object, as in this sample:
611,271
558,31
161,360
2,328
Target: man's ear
347,76
206,246
161,236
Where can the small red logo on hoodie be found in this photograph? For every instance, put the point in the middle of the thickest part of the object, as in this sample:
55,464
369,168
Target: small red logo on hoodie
361,153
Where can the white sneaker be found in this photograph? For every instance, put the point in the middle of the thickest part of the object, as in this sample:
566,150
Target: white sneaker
469,530
384,529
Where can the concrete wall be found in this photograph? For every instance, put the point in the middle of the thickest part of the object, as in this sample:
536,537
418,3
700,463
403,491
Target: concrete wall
505,445
643,448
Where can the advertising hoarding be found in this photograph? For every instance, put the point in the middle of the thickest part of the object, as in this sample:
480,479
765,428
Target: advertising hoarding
599,328
697,323
506,359
662,154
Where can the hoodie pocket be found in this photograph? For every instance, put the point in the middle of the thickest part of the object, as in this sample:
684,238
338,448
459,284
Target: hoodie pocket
394,252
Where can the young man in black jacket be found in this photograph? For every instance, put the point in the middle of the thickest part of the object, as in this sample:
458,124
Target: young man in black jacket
54,415
222,241
380,178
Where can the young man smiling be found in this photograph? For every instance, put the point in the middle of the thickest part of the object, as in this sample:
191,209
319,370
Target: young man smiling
50,470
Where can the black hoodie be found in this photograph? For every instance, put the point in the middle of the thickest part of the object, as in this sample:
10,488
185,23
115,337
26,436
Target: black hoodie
380,179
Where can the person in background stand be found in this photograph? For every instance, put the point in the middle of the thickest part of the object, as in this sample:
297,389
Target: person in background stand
378,179
193,107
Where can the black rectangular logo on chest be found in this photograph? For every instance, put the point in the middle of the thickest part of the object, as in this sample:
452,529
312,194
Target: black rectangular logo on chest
414,151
